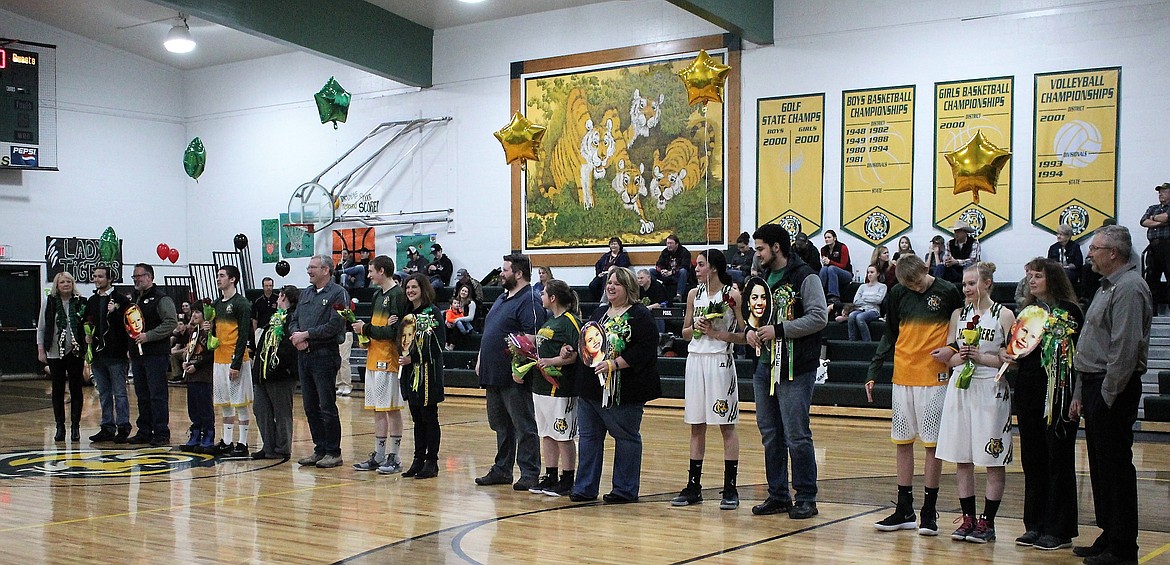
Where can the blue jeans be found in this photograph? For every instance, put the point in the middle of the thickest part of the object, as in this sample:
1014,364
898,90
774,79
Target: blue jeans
150,386
318,367
833,278
784,427
437,282
109,375
679,279
623,423
357,272
512,416
859,324
464,327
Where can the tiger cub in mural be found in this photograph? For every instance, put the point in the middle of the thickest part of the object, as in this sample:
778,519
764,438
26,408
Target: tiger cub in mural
583,151
644,115
677,171
631,188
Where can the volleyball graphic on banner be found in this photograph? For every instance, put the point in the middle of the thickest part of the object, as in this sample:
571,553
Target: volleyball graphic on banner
1077,143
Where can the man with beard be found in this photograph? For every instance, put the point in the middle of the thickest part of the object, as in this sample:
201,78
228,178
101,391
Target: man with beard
107,310
509,404
148,357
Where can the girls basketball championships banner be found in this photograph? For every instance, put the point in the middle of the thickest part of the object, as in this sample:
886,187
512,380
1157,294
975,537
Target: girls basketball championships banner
790,162
1074,167
877,162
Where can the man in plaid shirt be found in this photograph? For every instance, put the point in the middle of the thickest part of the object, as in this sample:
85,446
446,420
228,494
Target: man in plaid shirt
1157,221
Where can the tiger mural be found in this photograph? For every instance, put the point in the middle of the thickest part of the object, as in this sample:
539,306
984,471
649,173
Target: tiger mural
631,188
583,151
679,170
643,115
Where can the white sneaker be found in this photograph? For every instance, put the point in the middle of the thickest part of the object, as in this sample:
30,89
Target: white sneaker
391,466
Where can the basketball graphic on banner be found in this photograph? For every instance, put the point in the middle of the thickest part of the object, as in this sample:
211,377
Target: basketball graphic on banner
1077,143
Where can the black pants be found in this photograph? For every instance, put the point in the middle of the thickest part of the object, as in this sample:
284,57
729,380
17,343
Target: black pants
67,371
1047,454
1158,264
1109,438
200,407
426,431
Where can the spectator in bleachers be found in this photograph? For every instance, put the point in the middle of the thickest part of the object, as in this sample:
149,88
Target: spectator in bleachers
351,271
463,278
885,267
1156,220
543,275
415,263
836,269
440,269
460,315
651,293
179,339
673,268
961,252
904,248
1068,253
867,304
937,254
264,306
802,248
739,263
615,257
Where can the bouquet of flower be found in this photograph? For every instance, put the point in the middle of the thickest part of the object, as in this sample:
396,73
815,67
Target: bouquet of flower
348,315
89,329
970,337
209,316
1057,352
525,356
711,311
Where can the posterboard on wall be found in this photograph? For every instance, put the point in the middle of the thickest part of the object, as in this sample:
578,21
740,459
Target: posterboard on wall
79,256
1075,142
294,242
962,109
877,162
270,240
790,162
358,241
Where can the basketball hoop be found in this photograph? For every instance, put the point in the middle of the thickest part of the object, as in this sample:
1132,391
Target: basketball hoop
310,208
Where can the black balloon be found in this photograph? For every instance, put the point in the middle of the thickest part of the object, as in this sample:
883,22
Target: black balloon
282,268
241,241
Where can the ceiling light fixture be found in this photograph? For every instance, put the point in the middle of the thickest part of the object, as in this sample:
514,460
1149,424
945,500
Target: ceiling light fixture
179,39
471,1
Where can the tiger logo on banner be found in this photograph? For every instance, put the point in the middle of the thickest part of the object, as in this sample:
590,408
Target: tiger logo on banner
877,164
969,113
1074,161
790,164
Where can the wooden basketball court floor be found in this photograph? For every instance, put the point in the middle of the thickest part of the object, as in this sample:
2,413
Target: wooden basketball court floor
71,503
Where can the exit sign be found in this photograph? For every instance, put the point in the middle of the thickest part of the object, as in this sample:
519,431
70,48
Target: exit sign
5,251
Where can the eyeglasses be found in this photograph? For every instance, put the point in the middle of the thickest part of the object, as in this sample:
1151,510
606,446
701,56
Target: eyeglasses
1093,248
139,276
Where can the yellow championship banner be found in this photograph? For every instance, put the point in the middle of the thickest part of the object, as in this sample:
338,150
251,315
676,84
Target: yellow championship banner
973,120
877,162
790,162
1074,168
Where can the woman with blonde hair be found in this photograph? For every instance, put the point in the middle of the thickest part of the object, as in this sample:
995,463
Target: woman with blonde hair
60,344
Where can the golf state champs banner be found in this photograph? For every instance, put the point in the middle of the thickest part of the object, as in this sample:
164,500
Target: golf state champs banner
877,162
1074,167
962,109
790,162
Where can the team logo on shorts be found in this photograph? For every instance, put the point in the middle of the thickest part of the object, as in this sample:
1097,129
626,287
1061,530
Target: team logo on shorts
1076,217
994,447
933,303
560,426
97,464
877,225
791,224
720,407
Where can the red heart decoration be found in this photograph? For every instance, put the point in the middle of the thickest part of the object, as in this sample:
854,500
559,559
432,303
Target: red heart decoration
173,255
271,248
163,250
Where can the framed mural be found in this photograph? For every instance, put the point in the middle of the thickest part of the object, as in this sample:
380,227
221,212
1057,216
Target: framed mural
624,153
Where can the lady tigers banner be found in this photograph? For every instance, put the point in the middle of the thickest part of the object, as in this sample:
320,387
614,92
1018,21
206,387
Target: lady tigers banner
877,162
962,109
1074,165
790,162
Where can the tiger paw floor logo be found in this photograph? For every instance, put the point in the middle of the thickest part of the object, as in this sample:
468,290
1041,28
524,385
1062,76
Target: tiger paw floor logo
92,463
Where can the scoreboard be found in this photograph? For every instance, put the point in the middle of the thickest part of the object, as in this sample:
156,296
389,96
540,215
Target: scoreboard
19,108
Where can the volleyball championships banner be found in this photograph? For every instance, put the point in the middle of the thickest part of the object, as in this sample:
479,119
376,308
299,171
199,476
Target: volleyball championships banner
1074,166
962,109
790,162
877,162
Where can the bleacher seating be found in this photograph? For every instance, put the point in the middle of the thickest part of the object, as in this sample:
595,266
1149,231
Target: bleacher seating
1157,408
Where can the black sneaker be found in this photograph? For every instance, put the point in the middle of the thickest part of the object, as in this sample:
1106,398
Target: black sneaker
525,483
239,451
103,435
222,448
1050,542
965,528
803,510
1029,538
928,526
901,519
611,498
563,487
692,494
545,482
772,505
730,500
493,479
983,533
574,497
138,439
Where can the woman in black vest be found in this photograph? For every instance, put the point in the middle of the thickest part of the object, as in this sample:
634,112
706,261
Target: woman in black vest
60,343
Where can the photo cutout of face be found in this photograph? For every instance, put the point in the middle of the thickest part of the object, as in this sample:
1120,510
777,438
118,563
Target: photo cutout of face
1026,332
407,337
592,344
757,309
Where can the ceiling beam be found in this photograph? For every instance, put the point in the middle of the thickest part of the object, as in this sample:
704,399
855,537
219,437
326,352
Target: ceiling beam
749,19
353,32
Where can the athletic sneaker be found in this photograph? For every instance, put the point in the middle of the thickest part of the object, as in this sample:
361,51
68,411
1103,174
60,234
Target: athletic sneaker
730,500
370,464
239,450
901,519
928,526
1029,538
984,532
329,461
1049,542
563,487
967,526
692,494
222,448
391,466
545,482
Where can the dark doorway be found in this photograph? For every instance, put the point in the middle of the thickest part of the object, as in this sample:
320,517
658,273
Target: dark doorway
20,287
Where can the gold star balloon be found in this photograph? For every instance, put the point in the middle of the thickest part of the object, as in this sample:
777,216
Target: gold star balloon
521,139
704,79
976,166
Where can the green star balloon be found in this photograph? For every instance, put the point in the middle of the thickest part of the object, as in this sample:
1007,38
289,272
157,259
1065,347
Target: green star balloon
108,245
332,102
195,158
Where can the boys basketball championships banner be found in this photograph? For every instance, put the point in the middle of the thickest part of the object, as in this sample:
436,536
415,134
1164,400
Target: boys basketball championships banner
1074,168
877,162
790,162
963,109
